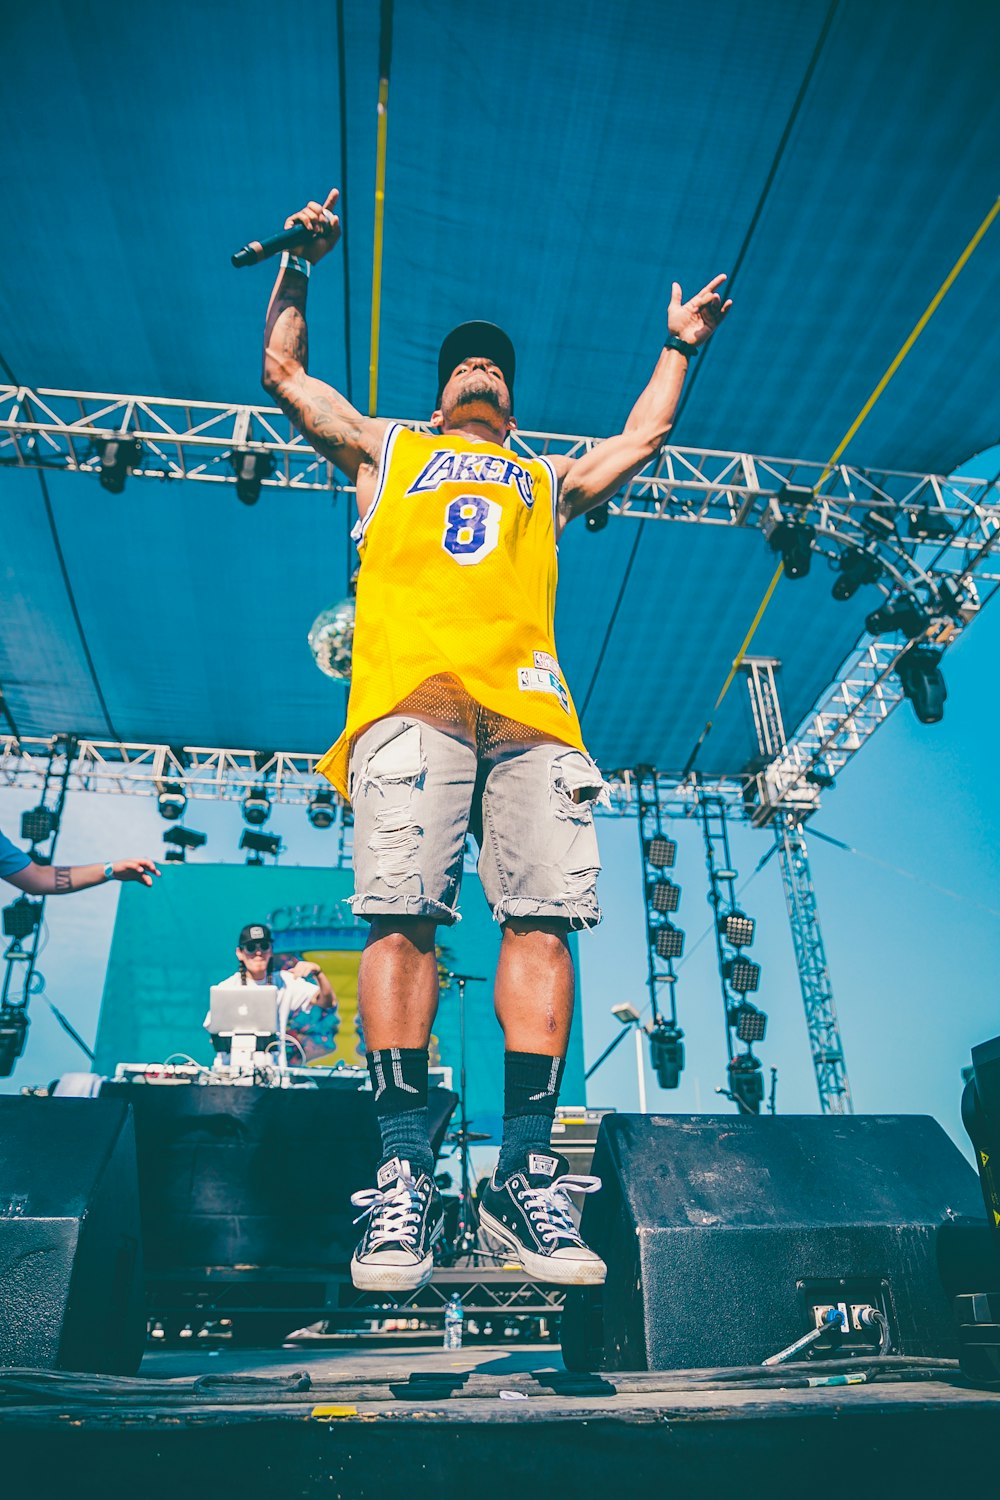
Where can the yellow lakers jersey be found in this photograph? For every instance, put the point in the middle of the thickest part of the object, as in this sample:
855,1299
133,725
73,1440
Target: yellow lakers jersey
458,577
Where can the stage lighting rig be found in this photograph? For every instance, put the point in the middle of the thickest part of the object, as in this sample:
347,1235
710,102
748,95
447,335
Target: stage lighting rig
322,811
38,825
741,974
666,1050
171,800
856,567
663,895
904,613
661,852
668,940
794,540
746,1082
251,467
596,519
119,455
181,840
21,918
880,528
14,1025
256,806
749,1023
923,682
820,775
737,928
928,525
260,844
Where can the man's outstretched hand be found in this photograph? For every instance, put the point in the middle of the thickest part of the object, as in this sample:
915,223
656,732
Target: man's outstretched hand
694,322
321,220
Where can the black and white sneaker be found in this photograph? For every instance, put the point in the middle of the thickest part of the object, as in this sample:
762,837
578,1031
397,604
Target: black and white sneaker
405,1219
530,1219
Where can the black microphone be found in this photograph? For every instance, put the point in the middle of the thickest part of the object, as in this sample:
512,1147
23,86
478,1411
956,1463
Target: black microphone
258,250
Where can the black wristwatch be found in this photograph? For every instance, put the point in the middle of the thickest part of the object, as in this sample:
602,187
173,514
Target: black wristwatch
672,342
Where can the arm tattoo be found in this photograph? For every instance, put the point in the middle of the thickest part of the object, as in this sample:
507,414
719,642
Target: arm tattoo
64,878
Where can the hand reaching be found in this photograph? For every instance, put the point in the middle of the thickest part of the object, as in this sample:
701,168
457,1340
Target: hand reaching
694,322
135,869
321,220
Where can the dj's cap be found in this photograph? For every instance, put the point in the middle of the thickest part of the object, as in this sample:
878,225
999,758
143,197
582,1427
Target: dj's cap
469,340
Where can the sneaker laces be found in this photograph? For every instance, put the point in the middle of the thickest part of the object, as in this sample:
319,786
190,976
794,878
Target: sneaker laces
394,1214
550,1209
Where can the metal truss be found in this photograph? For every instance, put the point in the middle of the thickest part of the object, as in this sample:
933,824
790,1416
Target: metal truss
814,974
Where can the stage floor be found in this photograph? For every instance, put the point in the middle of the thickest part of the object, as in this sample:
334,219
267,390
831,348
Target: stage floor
486,1421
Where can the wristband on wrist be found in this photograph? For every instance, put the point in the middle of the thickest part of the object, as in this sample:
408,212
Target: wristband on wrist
290,262
109,872
673,342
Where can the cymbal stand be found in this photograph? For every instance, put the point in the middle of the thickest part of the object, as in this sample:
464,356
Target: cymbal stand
465,1240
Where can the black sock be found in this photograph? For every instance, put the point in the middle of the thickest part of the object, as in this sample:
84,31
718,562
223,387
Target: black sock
399,1083
531,1092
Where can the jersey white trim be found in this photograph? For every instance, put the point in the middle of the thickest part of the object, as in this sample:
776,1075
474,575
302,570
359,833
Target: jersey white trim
391,433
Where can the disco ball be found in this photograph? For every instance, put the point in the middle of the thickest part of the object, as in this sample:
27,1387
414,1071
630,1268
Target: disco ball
331,640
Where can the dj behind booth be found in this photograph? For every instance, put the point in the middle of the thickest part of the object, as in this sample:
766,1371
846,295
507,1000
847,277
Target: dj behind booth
297,996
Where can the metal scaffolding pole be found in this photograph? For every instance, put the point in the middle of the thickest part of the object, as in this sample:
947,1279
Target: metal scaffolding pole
814,974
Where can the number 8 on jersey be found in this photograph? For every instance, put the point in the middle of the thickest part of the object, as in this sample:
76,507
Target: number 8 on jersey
471,528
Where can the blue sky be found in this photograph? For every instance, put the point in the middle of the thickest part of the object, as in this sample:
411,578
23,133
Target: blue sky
911,922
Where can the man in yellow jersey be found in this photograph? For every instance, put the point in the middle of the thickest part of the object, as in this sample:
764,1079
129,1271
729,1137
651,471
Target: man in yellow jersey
460,720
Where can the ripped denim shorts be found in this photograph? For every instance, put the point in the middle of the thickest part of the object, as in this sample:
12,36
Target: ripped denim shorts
417,791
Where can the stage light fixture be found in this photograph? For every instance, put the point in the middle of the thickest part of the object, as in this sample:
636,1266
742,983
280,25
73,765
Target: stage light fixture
741,974
820,775
796,494
857,567
171,800
746,1081
668,940
905,613
182,839
928,525
21,918
596,519
256,806
923,682
794,540
38,824
666,1050
259,844
957,600
251,467
749,1023
322,812
663,895
737,928
880,527
14,1025
661,852
119,455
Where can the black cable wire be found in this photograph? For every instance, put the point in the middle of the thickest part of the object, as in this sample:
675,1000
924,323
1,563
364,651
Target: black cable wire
689,384
765,192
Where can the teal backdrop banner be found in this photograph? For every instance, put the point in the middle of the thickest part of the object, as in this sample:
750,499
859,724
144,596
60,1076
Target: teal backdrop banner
169,948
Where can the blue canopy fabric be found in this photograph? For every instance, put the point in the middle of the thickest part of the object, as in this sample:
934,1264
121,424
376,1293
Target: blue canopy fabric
551,168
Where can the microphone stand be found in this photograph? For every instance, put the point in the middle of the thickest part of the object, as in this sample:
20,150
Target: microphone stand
465,1240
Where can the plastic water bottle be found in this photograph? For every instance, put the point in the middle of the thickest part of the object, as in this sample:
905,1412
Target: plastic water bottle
454,1317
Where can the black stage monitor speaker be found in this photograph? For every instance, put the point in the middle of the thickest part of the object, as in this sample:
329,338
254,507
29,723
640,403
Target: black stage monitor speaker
70,1264
726,1237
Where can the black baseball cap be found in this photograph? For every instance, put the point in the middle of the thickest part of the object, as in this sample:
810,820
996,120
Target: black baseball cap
471,339
254,932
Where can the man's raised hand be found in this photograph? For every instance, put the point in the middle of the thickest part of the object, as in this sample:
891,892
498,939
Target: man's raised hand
323,224
694,322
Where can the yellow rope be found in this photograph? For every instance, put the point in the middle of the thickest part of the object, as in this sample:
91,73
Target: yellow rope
862,416
380,153
921,324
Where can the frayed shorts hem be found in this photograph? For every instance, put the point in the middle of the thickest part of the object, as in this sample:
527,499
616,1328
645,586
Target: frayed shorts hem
579,914
368,907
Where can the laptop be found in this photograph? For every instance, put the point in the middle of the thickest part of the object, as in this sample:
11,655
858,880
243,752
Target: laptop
247,1010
